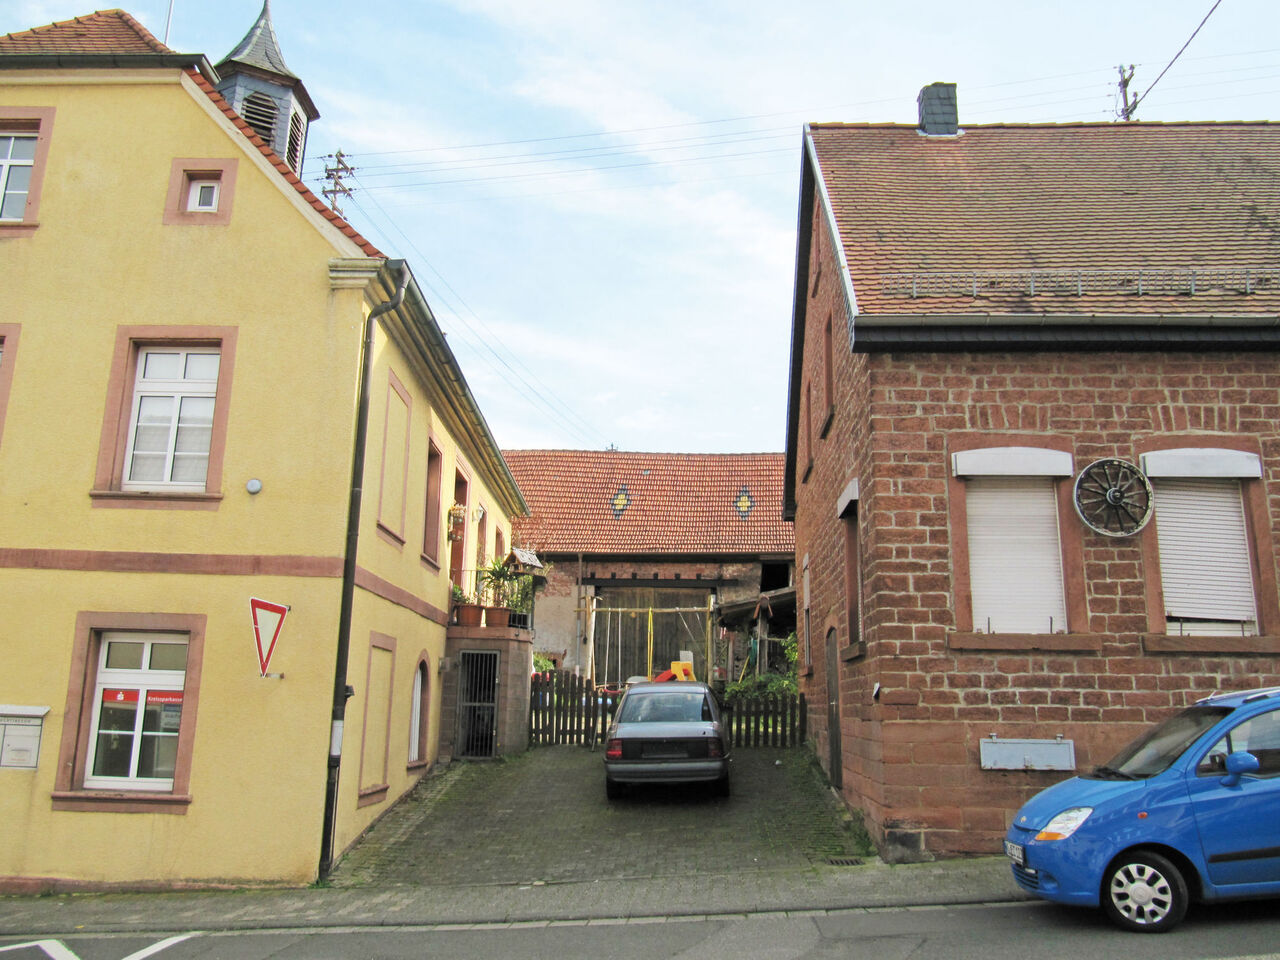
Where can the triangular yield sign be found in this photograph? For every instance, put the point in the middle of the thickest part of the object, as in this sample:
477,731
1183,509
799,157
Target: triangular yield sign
268,618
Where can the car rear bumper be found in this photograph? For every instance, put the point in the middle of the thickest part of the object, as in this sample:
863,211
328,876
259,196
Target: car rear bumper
666,771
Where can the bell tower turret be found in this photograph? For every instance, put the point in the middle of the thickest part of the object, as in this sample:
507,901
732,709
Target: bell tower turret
266,93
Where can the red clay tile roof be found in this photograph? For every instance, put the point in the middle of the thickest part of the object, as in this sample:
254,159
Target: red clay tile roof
115,32
1088,205
283,168
107,31
610,502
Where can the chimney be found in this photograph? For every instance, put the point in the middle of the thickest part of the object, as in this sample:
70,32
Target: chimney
939,116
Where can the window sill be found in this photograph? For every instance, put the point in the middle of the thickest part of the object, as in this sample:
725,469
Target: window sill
1178,643
854,651
120,801
431,563
1085,642
417,765
152,499
15,229
826,423
371,795
390,536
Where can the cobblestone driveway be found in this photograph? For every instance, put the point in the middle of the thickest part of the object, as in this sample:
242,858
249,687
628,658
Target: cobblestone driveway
543,817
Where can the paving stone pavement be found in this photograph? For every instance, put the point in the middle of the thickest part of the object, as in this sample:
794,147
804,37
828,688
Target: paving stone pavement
543,817
532,840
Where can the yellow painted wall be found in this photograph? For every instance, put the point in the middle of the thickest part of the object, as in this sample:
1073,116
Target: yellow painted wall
100,258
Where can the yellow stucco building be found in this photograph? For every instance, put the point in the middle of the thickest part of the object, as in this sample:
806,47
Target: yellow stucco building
181,380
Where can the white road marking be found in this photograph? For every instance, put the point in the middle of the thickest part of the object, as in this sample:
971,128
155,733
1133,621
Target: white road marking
57,950
54,949
157,947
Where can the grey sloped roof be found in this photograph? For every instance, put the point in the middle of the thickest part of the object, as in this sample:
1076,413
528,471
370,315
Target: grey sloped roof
259,48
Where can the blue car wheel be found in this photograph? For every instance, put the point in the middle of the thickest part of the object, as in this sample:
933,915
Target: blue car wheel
1144,892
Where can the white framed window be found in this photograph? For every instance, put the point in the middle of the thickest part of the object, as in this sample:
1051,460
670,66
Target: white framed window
171,423
417,718
1015,555
137,711
17,162
202,196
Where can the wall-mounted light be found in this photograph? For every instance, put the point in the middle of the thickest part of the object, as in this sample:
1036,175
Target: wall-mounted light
254,485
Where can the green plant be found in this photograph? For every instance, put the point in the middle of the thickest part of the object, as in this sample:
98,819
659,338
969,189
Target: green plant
458,595
542,663
498,581
768,684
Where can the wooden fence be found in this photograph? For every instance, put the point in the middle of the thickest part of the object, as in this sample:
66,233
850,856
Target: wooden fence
564,708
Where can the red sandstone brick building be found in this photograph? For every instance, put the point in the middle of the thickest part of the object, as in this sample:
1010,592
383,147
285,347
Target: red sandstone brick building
695,537
981,314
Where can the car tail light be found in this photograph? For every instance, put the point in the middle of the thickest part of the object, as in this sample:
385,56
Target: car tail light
715,748
614,750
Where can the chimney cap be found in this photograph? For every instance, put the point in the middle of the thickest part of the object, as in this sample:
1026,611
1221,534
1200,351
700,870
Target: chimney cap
939,113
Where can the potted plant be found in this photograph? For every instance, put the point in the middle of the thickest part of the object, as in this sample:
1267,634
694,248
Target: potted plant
466,610
497,580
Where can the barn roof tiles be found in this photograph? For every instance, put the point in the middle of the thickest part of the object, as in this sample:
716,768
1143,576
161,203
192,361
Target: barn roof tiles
617,503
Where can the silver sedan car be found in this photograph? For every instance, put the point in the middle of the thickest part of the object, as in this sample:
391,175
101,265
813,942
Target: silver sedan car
666,733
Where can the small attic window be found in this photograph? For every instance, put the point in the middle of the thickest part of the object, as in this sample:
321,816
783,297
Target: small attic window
261,112
293,155
201,190
202,195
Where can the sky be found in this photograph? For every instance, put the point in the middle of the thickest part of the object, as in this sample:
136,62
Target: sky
599,198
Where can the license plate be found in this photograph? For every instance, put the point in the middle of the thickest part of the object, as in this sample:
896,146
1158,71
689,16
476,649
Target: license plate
1015,852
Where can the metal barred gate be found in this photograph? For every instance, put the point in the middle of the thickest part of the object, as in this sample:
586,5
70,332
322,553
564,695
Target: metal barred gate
477,702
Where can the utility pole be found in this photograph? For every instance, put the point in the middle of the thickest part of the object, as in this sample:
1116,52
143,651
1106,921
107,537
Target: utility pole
336,187
1127,106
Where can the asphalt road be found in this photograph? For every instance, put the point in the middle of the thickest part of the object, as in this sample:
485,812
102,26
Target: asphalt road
1016,931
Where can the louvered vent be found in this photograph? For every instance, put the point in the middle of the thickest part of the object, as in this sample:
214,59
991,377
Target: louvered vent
260,112
294,157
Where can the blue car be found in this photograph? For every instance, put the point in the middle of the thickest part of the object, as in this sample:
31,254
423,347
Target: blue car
1188,811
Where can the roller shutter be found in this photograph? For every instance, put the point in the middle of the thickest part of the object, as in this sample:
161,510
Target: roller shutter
1015,556
1204,552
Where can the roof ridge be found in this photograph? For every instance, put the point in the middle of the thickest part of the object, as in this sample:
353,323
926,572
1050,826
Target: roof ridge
283,168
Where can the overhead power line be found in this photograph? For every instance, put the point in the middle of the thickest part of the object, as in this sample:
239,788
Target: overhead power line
1129,111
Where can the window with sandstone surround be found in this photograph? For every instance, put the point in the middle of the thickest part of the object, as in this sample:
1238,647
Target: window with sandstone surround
375,741
828,379
201,192
130,713
25,134
432,520
394,477
1016,555
164,433
419,701
1212,562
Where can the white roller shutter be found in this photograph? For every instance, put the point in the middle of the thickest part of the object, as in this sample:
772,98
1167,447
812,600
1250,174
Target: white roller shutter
1204,551
1015,557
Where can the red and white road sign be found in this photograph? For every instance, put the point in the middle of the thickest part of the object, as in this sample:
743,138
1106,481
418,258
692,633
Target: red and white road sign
268,618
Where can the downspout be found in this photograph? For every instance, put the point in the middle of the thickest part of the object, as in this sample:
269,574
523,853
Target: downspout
341,692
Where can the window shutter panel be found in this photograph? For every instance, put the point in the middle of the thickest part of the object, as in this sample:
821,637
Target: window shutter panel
1204,550
1015,557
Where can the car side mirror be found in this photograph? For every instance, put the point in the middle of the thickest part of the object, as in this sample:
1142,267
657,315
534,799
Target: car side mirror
1238,764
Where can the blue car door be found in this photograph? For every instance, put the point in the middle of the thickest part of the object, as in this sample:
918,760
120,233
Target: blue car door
1240,824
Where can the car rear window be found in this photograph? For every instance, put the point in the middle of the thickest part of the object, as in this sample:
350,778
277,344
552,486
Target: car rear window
665,706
